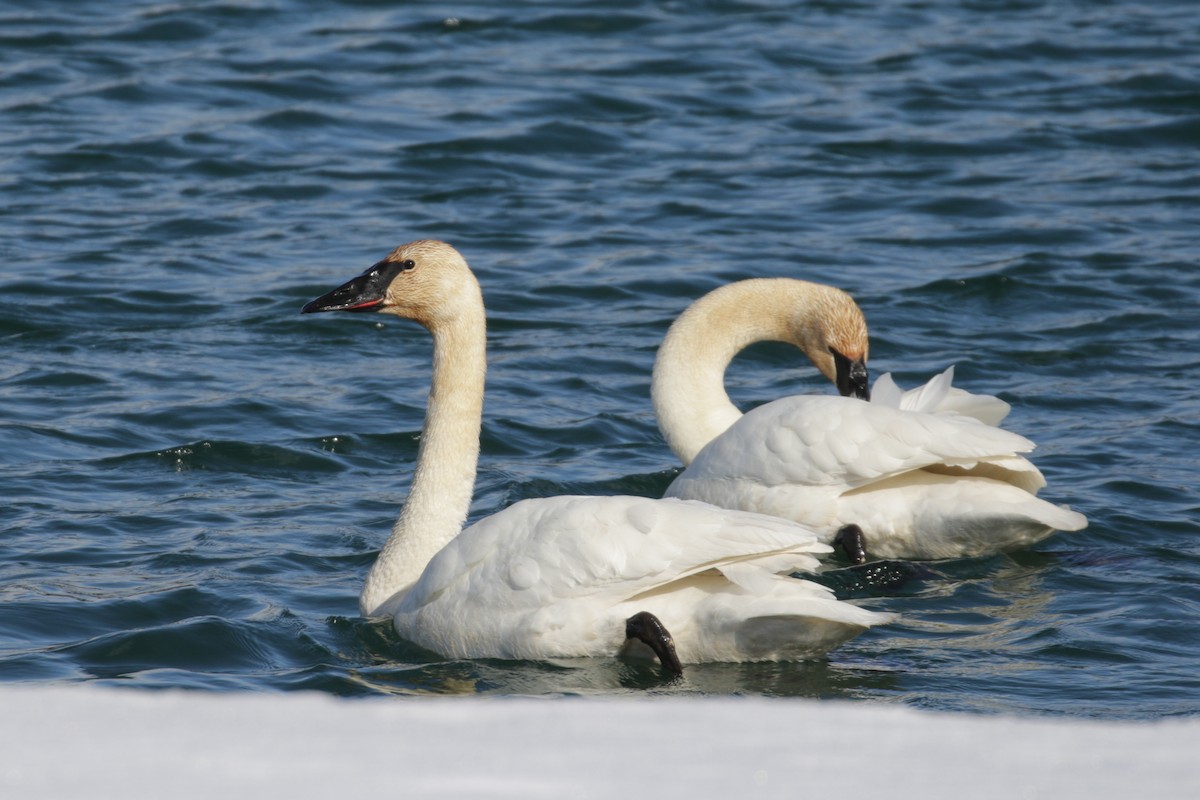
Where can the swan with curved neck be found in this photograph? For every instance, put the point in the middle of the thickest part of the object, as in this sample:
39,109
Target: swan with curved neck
921,474
568,576
688,388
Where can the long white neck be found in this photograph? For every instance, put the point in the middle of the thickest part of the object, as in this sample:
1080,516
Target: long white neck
442,485
688,387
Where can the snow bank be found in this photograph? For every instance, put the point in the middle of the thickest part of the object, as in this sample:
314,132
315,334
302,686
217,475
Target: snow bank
97,743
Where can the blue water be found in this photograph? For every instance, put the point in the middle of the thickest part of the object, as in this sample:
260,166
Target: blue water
194,478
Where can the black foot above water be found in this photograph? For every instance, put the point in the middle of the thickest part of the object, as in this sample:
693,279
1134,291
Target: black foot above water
645,627
853,542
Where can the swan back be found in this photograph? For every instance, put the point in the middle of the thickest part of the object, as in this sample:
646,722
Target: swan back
845,443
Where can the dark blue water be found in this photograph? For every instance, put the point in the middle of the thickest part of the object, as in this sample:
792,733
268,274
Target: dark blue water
194,478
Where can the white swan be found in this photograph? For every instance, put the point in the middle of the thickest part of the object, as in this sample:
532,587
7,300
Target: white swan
568,576
923,474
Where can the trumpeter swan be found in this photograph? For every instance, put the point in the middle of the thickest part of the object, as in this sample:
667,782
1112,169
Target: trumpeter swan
568,576
923,474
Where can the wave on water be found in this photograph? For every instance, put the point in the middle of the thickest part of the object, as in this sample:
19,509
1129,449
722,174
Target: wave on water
195,478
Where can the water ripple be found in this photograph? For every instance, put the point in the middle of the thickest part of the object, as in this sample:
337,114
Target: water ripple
197,477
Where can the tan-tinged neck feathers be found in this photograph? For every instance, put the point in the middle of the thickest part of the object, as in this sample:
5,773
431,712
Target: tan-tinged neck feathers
446,299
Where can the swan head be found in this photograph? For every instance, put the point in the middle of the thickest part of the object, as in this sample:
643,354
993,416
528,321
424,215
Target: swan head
426,280
831,330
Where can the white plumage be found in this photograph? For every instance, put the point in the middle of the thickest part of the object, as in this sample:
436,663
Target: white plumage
558,577
924,474
561,577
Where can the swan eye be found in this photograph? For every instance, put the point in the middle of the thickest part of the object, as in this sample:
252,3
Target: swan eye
407,264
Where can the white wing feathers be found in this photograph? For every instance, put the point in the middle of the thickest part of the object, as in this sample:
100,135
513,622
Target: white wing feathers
608,548
558,577
924,473
938,396
838,441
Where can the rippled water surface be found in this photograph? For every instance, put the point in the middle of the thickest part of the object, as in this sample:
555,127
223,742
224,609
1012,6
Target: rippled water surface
194,478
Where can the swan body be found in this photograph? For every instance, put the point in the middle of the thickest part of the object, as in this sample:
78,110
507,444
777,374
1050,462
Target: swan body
568,576
558,577
925,473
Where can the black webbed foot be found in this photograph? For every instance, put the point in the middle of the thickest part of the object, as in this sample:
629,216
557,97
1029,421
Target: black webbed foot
645,627
853,543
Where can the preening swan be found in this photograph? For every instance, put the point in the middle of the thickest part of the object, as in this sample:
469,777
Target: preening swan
924,474
568,576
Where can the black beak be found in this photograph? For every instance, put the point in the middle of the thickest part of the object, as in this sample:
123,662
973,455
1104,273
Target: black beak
852,379
364,293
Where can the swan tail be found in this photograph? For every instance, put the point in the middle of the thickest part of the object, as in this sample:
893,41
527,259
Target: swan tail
1008,514
978,532
791,637
791,620
742,612
793,623
1063,518
1007,531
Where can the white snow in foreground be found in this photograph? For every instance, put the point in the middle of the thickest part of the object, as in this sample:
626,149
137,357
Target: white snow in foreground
87,742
